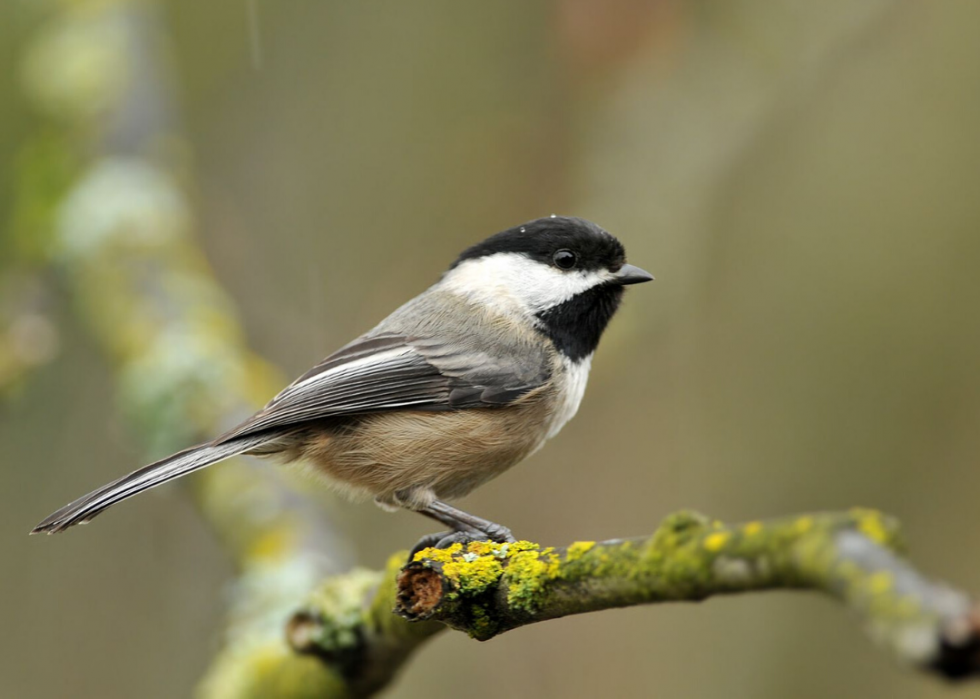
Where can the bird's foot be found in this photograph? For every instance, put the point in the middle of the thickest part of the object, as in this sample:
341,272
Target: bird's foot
443,540
498,533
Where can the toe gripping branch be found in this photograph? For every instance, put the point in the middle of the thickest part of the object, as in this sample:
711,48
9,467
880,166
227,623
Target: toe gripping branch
466,528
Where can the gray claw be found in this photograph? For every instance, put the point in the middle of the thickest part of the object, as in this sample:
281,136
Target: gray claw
499,534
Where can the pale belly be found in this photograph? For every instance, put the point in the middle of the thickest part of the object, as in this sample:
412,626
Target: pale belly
411,458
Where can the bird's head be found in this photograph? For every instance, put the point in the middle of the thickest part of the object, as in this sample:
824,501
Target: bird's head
566,274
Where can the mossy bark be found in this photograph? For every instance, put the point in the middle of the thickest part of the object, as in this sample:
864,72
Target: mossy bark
349,624
486,589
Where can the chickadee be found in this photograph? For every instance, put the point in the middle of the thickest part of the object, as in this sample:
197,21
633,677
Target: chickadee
452,389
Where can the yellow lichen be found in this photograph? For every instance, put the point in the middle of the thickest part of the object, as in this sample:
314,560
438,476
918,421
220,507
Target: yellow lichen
871,524
527,574
484,548
578,549
272,545
475,576
554,565
519,546
880,582
716,541
803,525
438,555
478,565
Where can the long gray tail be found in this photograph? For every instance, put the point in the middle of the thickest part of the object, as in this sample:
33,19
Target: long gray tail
150,476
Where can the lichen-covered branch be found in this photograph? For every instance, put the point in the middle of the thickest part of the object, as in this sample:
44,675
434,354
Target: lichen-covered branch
344,641
486,589
349,624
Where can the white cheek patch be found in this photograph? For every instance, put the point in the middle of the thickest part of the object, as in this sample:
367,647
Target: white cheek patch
512,282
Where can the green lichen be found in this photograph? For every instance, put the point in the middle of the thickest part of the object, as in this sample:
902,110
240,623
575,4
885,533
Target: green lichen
482,625
339,605
268,668
527,574
617,560
675,531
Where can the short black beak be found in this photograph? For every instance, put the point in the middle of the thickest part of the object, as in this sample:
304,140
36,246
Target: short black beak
630,274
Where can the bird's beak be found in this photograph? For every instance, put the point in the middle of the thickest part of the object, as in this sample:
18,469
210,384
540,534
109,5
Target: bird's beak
631,274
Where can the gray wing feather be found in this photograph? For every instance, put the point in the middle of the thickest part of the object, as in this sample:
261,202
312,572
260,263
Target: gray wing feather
392,372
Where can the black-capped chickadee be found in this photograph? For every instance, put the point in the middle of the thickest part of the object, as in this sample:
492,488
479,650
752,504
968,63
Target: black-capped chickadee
449,391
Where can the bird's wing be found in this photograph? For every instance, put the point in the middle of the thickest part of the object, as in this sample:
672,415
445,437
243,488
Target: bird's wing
394,372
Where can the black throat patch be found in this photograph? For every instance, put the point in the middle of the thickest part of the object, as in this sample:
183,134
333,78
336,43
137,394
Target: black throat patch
576,325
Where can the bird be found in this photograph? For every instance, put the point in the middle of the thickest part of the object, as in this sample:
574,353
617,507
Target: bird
453,388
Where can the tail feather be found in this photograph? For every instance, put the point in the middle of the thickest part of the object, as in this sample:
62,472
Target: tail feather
183,462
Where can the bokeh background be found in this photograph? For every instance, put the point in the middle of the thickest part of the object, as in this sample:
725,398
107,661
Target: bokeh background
802,178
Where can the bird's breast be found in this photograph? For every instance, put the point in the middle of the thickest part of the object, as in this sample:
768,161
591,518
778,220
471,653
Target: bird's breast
567,400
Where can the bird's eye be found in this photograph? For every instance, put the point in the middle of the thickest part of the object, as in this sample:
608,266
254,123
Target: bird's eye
565,259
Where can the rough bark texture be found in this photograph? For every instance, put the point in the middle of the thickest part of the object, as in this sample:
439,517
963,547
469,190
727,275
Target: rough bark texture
486,589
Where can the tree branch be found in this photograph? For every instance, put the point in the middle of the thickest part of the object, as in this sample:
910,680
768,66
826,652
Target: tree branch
349,624
486,589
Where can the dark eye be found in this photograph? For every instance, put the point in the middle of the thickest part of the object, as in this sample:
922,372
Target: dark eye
565,259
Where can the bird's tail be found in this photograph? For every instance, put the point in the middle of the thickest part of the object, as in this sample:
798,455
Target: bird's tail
150,476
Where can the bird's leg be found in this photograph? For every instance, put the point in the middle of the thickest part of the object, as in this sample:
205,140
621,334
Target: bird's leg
461,521
464,529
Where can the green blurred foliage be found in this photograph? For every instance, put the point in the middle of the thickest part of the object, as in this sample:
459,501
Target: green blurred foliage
801,178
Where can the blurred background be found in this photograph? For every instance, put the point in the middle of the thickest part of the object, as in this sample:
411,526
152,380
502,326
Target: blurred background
802,178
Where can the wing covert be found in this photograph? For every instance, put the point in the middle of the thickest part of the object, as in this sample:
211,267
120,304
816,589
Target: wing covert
391,372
